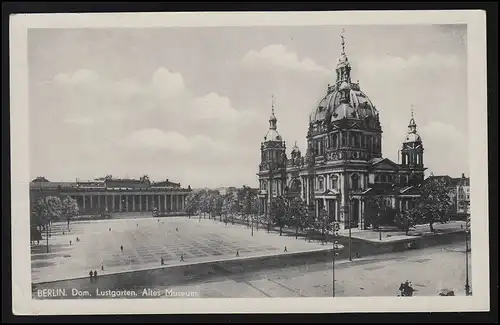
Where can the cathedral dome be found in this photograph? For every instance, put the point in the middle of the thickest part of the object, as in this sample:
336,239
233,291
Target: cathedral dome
412,137
272,135
343,101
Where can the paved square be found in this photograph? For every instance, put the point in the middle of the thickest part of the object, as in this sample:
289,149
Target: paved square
145,241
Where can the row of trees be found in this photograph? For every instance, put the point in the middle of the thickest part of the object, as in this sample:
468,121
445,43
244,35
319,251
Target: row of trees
430,207
52,208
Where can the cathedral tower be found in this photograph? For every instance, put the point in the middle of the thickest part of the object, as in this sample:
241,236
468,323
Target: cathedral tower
412,153
272,169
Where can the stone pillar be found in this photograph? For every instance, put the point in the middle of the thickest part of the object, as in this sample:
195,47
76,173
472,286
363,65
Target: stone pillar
113,208
158,205
91,205
165,202
140,203
133,202
83,205
171,202
361,215
120,203
147,203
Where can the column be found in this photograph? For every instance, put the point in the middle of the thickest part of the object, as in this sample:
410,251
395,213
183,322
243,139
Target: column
171,202
165,202
140,202
158,203
91,205
83,205
105,202
113,209
147,202
133,202
120,203
361,215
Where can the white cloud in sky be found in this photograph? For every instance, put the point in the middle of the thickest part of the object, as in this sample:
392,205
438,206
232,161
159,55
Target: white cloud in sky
81,76
167,83
278,55
80,121
170,141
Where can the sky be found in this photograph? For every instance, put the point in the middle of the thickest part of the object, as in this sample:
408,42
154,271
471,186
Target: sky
192,104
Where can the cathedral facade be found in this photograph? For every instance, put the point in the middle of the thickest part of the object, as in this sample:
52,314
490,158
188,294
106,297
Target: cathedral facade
343,165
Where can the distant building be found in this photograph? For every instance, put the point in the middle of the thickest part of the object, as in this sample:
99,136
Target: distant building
108,194
343,165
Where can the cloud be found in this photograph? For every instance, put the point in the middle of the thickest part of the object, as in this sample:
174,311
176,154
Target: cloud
171,141
278,55
213,106
167,83
414,63
80,121
81,76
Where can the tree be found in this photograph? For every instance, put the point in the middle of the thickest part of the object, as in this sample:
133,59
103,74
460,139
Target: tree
204,202
373,211
297,214
46,210
229,206
434,201
69,208
192,202
407,218
279,211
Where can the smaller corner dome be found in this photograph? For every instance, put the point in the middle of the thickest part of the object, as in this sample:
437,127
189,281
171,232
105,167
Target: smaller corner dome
296,148
272,135
412,137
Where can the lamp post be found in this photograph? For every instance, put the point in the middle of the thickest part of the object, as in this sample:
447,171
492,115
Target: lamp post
335,233
467,233
350,225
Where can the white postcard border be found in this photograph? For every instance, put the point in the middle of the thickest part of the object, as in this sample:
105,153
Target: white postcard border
23,304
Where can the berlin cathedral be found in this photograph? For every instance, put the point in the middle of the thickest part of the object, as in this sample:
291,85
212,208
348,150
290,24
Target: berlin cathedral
343,165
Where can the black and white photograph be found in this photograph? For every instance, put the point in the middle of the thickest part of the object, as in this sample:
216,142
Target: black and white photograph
326,158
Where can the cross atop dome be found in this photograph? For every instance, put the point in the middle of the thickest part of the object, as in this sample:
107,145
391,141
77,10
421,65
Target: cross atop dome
343,40
272,118
343,66
412,126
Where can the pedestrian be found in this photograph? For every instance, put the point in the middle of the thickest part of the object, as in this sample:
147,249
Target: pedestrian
70,243
286,249
102,266
63,232
357,255
162,262
121,248
95,274
77,239
237,253
177,229
90,274
182,257
109,229
137,224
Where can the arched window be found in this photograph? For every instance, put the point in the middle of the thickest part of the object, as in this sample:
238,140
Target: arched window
355,181
334,181
321,182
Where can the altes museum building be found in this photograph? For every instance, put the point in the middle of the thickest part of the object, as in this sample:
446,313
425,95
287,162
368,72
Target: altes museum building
343,165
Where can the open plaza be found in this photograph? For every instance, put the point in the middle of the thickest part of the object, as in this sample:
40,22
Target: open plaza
146,241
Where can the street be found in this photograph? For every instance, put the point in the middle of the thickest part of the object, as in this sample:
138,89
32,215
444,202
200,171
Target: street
429,270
